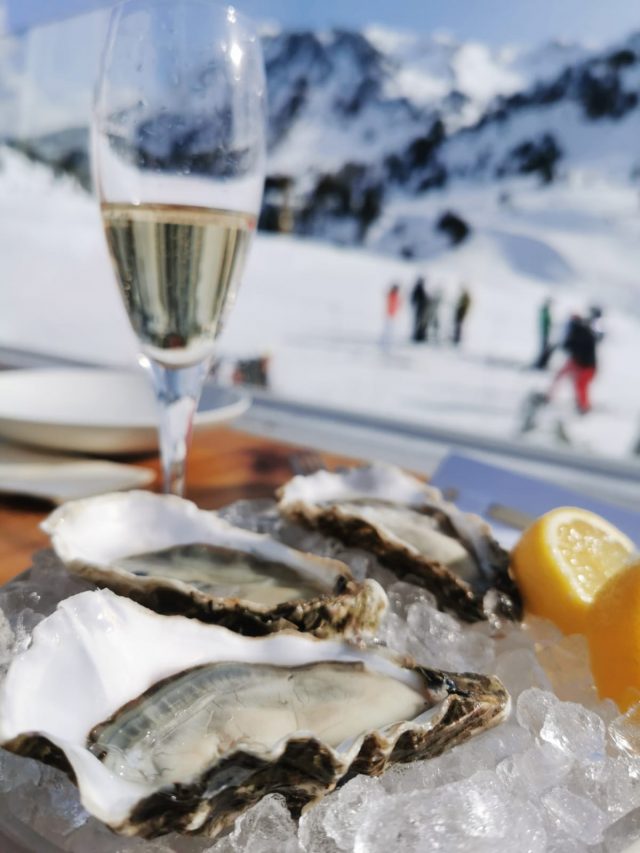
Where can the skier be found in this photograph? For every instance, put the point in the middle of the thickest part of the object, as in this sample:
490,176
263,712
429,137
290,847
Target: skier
545,322
391,310
583,334
460,312
420,301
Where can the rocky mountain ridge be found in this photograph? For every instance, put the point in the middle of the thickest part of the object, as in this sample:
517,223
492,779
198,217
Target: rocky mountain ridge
359,121
344,144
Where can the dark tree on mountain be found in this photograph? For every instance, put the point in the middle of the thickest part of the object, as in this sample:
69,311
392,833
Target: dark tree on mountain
333,194
454,226
353,192
370,207
435,178
537,156
622,58
418,163
603,95
422,149
396,168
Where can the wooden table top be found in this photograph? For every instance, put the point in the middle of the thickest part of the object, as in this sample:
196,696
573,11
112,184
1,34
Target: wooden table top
225,465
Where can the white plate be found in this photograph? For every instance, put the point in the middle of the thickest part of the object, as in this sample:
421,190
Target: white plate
96,411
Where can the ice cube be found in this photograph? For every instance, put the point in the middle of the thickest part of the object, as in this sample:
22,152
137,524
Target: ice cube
258,515
624,731
623,833
533,771
532,707
267,827
620,786
312,832
7,642
431,626
518,669
48,582
576,816
567,666
402,595
511,636
416,776
441,640
26,621
474,814
484,751
543,632
393,632
576,730
352,805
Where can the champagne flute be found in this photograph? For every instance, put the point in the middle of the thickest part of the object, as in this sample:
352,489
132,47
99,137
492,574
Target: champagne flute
178,150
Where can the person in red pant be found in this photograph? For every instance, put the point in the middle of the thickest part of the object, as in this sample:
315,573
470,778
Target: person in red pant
580,343
392,305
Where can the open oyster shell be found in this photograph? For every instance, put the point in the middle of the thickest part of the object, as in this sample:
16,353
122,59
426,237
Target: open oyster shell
167,554
166,723
413,531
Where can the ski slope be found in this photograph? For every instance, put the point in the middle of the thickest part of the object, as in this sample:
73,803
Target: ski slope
318,310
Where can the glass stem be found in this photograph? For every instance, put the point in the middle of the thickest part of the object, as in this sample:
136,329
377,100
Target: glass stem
178,392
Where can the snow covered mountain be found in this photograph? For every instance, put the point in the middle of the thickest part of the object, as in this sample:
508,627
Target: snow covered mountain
360,120
343,95
409,144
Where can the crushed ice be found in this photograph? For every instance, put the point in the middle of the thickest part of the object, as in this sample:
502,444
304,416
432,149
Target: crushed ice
562,774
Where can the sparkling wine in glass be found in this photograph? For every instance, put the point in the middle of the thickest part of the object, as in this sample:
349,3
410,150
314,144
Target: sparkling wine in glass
178,147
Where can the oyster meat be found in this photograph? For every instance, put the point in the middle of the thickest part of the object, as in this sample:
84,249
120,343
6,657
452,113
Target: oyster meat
167,554
166,723
413,531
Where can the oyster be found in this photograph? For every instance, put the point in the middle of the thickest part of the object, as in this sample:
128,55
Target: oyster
166,723
413,531
167,554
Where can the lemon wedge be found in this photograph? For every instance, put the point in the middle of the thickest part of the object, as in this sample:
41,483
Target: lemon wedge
613,632
562,560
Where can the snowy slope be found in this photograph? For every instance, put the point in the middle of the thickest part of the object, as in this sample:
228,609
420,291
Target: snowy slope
381,134
317,310
321,320
577,237
57,291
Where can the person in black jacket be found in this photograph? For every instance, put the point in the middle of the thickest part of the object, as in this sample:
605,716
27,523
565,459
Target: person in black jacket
420,301
580,343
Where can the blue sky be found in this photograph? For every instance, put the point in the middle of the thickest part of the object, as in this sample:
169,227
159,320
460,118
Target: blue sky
495,21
